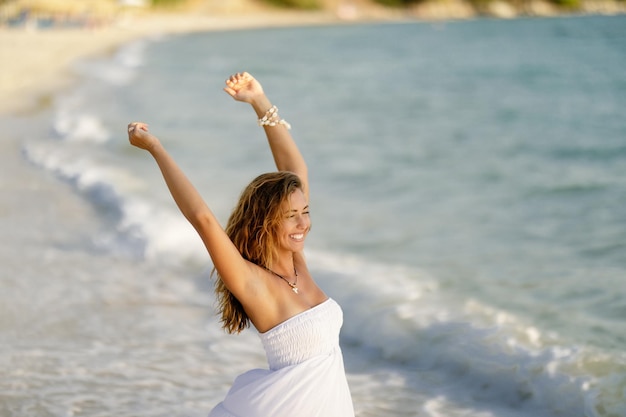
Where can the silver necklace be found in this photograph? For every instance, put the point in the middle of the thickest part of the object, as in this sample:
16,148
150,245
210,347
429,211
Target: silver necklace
293,286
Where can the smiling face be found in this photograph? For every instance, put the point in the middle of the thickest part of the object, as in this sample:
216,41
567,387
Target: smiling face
270,219
296,222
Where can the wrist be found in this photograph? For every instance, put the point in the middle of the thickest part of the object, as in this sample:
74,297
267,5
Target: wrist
156,147
271,118
261,105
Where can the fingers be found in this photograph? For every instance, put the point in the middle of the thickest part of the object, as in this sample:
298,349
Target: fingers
139,136
137,126
240,77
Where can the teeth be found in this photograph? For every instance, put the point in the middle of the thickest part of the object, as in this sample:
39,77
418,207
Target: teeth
297,237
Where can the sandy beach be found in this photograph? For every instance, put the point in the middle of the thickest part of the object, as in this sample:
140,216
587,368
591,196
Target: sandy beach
36,62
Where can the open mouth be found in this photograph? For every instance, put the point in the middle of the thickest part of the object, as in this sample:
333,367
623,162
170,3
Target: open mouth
297,237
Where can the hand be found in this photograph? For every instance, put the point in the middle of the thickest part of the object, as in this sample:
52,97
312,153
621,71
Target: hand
139,136
243,87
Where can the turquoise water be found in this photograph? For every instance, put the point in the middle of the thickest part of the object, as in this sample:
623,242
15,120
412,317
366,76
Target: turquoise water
468,192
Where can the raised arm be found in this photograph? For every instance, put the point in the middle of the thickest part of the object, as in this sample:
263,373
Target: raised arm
234,270
244,87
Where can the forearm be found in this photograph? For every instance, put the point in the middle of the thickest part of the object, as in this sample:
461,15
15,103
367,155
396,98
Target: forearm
182,190
286,154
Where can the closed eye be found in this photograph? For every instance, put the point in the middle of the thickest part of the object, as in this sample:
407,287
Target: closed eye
292,213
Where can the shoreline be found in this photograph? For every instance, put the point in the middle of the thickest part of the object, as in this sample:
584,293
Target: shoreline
25,87
37,62
37,65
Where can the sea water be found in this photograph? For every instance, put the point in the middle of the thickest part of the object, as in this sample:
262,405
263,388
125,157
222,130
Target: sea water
468,199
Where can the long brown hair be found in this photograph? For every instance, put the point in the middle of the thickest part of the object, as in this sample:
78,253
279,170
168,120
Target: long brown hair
253,227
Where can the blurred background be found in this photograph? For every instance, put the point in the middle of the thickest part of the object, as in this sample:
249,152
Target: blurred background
89,13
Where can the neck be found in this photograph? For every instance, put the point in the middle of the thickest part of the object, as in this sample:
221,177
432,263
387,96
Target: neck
285,265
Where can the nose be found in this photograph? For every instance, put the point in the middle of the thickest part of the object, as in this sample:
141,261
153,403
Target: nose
301,221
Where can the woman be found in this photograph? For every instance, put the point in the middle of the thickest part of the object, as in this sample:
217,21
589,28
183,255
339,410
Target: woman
263,278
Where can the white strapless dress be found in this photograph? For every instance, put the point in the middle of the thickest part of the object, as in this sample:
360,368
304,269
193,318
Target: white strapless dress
306,376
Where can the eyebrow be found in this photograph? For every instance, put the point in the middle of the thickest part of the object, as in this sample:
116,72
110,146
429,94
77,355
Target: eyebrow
292,210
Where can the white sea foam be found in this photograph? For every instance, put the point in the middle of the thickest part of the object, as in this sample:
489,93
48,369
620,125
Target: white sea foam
166,233
73,121
80,127
489,357
140,227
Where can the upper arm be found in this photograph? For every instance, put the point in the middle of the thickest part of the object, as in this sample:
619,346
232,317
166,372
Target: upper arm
236,272
304,179
287,156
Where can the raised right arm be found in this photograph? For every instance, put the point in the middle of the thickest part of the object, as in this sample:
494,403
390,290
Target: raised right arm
232,267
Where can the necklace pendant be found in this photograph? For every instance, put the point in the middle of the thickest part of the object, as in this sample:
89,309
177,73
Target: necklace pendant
294,289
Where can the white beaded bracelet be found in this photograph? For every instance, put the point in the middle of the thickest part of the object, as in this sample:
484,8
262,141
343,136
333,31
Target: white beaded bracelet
272,118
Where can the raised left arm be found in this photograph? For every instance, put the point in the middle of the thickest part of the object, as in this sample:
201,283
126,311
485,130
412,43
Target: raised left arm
287,157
